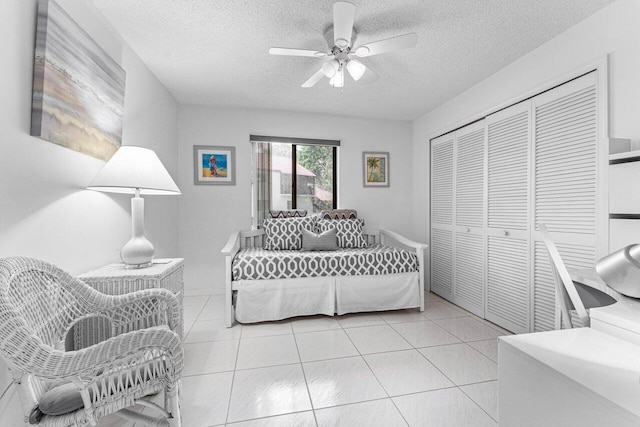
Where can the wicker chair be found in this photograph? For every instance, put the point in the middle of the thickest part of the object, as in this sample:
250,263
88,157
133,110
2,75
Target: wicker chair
39,306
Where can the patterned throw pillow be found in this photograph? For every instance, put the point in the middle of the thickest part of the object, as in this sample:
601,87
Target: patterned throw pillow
327,241
287,213
286,233
349,231
339,214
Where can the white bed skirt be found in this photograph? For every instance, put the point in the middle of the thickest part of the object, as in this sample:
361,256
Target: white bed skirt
263,300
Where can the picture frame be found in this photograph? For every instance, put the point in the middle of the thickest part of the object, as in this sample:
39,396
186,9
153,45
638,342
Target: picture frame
214,165
78,88
375,168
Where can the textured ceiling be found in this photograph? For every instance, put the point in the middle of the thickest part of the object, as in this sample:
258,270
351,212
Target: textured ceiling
215,52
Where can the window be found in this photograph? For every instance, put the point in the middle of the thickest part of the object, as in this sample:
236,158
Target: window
293,173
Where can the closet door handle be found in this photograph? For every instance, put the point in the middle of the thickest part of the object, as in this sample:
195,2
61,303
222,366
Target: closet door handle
468,230
506,233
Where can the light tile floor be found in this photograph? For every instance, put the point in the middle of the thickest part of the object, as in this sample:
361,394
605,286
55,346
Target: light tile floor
397,368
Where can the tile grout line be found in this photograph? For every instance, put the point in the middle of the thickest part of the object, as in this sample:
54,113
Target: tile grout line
233,376
414,348
304,375
446,345
378,379
473,400
185,334
436,368
436,325
257,419
484,355
474,316
462,340
459,387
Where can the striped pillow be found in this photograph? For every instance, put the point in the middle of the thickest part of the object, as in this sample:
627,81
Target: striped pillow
326,241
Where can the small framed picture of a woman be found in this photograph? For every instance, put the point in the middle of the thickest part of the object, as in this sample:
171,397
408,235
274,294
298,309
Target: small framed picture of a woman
214,165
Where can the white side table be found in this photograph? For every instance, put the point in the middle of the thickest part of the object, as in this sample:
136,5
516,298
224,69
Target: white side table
115,279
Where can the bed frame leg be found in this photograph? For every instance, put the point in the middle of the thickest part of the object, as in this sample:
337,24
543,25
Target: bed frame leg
228,298
229,317
420,254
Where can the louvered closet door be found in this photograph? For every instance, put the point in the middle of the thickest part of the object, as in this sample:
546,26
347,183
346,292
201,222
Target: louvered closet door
469,242
442,219
507,284
565,185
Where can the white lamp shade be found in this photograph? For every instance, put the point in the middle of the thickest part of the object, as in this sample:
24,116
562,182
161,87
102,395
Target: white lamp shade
338,79
356,69
330,68
133,168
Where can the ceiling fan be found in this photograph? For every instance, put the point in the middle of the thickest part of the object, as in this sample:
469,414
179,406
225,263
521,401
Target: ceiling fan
342,54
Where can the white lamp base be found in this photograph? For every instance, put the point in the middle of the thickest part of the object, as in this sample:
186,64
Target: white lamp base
138,251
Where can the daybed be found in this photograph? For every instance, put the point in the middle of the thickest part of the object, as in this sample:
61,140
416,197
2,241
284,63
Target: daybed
263,285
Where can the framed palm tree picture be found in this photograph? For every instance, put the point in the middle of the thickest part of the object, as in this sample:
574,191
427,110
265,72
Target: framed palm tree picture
375,169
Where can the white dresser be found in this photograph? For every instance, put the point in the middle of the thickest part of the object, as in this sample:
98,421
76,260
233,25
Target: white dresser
621,320
574,377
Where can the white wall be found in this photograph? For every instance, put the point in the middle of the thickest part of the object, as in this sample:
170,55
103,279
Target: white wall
614,31
45,211
208,213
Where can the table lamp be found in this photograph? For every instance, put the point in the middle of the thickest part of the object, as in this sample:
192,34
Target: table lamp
137,171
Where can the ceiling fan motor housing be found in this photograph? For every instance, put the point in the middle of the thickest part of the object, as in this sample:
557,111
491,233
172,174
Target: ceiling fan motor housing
328,36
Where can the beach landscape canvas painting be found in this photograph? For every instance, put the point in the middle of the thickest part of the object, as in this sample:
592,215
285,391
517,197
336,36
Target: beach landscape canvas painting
375,168
78,89
214,165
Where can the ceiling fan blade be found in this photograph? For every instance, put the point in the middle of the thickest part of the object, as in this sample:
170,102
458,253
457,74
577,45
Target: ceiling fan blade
343,14
297,52
314,79
387,45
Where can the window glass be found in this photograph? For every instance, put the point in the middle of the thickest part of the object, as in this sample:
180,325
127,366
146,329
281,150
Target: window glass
293,176
314,177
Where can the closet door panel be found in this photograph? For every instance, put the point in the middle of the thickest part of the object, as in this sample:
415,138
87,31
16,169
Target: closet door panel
442,184
508,253
508,168
470,158
566,143
508,283
442,263
470,215
442,215
565,181
469,272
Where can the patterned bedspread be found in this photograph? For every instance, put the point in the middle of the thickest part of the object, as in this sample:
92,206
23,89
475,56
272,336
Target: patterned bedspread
257,263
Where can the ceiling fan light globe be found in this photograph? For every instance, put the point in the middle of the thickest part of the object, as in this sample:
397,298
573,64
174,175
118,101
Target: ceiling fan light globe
330,68
362,51
337,80
356,69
